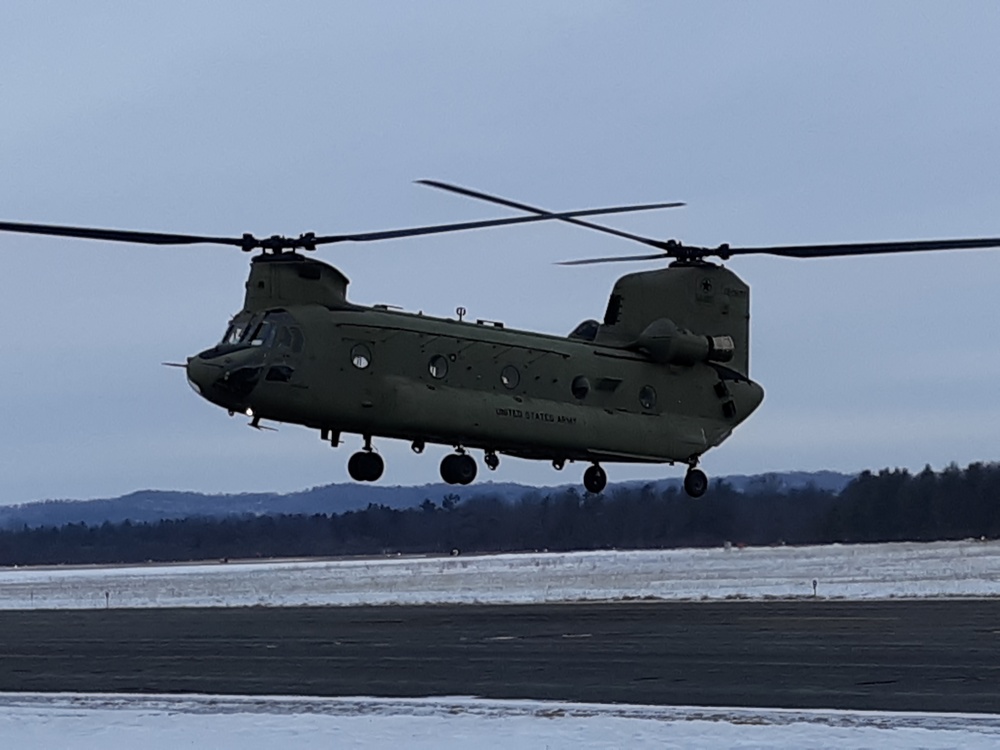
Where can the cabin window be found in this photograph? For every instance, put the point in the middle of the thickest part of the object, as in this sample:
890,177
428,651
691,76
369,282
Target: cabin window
361,356
438,367
647,397
580,387
510,377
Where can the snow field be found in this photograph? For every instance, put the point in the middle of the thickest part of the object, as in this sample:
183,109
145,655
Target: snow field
877,571
98,722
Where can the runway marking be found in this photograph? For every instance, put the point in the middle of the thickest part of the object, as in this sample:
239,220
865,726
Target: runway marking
876,682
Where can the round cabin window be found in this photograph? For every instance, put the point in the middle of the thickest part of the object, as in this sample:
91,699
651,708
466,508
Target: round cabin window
647,397
361,356
580,387
438,367
510,377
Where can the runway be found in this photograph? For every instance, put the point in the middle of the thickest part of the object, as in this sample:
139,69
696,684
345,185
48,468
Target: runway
913,655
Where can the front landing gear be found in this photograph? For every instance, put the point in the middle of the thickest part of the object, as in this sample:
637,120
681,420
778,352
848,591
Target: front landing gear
458,468
695,482
595,480
366,465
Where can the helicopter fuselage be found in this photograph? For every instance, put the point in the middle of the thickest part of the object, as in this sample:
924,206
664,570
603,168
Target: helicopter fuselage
341,368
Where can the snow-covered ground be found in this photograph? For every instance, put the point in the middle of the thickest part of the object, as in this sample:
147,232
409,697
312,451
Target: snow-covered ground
99,722
941,569
88,722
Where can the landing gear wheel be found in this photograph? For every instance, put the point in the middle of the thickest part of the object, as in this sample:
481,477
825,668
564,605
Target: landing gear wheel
492,460
365,466
355,466
458,468
595,480
695,483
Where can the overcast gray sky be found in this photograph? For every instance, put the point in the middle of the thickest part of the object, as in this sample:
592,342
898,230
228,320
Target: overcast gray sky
777,122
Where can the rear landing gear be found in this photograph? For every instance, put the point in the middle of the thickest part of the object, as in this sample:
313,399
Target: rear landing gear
595,480
458,468
695,482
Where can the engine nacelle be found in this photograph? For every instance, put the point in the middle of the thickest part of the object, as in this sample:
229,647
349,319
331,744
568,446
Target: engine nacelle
667,344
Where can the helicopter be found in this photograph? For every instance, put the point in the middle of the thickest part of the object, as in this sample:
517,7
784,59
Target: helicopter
662,378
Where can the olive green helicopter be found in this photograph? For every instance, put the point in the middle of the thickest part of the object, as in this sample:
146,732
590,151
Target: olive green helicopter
661,379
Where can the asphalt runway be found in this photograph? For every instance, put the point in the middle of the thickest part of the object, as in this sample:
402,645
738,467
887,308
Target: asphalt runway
893,655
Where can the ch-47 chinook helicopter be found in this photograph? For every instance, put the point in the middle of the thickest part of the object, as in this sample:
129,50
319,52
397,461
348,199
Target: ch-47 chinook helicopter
662,378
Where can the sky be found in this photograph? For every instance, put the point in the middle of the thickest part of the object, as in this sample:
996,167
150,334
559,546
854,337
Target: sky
776,123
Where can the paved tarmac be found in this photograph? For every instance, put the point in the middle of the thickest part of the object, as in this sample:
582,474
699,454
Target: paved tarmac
892,655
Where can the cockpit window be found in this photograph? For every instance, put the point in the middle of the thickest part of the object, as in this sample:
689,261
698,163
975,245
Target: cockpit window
232,334
289,337
284,338
263,334
275,329
238,329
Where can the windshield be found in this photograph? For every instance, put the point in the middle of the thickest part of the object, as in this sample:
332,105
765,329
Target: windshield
239,328
260,334
273,329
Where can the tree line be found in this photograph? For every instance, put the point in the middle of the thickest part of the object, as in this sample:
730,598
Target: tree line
890,505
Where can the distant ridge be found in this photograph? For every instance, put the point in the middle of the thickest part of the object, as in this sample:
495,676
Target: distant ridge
157,505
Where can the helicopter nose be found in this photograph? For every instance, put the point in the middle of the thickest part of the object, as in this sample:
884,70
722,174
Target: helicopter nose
226,383
200,374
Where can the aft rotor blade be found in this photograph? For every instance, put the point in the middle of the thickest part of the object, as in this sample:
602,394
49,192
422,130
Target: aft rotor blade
862,248
615,259
469,193
117,235
462,226
673,249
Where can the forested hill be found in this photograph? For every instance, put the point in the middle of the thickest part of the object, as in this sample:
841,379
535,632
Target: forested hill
155,505
887,506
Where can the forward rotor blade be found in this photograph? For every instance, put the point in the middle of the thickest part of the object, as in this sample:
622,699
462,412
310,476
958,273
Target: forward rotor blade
306,241
863,248
542,212
117,235
462,226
